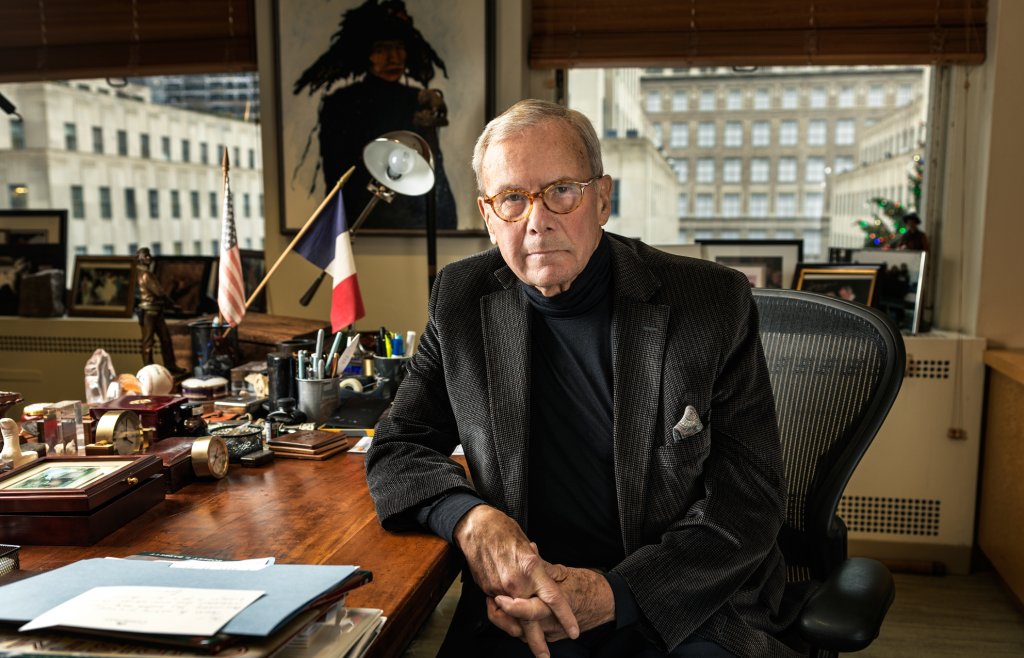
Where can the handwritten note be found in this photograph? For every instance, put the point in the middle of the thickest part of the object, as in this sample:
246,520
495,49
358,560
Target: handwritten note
158,610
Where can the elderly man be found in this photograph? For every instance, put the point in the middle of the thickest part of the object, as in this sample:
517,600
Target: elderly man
614,406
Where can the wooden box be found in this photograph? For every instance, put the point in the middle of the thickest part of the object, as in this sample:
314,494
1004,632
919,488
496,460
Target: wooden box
176,455
76,500
161,412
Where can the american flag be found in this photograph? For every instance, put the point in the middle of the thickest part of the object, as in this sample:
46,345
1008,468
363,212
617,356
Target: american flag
231,286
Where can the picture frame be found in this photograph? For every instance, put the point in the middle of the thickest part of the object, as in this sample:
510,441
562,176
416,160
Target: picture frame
459,35
103,286
30,241
857,283
900,283
767,263
65,484
254,268
186,281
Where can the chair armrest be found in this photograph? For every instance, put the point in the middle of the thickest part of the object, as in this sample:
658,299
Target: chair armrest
846,612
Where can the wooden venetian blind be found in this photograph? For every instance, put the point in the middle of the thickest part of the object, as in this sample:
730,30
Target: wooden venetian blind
60,39
568,33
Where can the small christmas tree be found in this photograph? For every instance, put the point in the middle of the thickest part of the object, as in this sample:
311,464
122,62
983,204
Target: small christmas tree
886,225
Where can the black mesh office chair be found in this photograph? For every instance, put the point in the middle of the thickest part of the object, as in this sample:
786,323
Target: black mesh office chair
836,368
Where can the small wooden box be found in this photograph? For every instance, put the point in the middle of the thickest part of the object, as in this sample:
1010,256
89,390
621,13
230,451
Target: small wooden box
161,412
76,500
176,455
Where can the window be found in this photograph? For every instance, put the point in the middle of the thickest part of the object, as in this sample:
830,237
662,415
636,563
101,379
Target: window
812,242
847,97
17,134
843,163
705,170
819,98
785,205
70,137
237,158
261,204
731,205
758,205
133,247
732,170
106,212
213,204
761,133
762,100
815,172
790,98
680,137
876,96
156,248
77,202
683,204
220,153
18,196
705,205
175,204
108,249
165,148
616,197
813,204
904,94
97,140
707,100
733,134
122,142
680,101
80,250
252,159
246,206
788,133
248,243
658,138
706,134
759,168
154,204
186,151
682,168
177,247
817,132
734,100
204,152
144,145
194,197
844,131
215,245
130,211
787,170
197,247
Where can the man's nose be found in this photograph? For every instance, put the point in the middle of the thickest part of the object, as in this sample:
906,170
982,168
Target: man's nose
540,219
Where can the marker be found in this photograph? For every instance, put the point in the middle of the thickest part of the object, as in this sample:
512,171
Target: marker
410,340
319,343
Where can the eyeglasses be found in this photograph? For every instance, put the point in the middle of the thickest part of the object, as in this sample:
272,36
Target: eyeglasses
560,197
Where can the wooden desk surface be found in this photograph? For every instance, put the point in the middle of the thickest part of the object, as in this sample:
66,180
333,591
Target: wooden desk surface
299,512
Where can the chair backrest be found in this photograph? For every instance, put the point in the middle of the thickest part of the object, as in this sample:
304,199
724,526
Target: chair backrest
836,368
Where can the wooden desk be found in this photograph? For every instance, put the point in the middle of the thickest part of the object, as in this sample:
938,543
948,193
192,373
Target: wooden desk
300,512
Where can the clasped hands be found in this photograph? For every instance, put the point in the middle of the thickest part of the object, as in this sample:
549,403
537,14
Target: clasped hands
529,598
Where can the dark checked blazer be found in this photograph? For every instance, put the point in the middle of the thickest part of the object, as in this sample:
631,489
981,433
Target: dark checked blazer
699,514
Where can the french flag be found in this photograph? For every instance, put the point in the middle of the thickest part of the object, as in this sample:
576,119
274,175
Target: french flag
326,244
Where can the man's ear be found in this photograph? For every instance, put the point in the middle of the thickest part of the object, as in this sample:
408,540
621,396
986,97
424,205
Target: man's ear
482,207
604,198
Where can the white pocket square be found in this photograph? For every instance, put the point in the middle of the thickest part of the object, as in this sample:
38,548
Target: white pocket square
688,425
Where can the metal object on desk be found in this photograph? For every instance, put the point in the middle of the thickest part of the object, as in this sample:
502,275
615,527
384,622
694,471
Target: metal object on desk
319,397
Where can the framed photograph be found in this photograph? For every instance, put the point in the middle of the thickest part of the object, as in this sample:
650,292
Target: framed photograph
30,241
103,286
900,283
767,263
353,70
254,267
72,484
854,283
186,280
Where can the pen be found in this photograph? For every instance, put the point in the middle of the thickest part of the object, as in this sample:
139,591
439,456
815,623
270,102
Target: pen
382,342
410,340
319,343
303,356
334,348
397,346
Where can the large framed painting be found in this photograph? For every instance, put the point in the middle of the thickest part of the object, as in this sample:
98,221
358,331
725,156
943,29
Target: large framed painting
30,241
350,71
766,263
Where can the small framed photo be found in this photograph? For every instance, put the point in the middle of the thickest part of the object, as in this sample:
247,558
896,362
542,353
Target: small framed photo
69,485
766,263
186,280
900,283
103,286
30,241
854,283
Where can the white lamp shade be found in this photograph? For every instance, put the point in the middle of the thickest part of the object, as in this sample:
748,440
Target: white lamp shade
401,161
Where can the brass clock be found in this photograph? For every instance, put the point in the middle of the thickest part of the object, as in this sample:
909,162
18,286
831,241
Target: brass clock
210,457
123,430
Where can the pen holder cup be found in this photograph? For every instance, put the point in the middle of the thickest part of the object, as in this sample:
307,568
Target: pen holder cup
318,398
390,372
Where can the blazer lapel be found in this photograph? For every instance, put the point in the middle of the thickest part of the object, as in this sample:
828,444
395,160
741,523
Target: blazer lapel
639,329
505,320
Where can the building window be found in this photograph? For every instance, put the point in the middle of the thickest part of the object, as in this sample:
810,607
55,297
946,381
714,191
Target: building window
785,205
246,205
108,249
683,204
17,134
122,142
213,204
77,202
844,132
703,234
762,99
197,247
682,168
705,206
732,170
261,204
847,97
706,170
133,247
178,248
238,158
790,98
215,244
680,101
194,197
680,138
615,197
17,194
819,98
186,151
106,212
733,134
220,153
707,100
813,204
97,140
706,134
812,243
815,172
788,133
876,96
130,211
252,159
204,152
758,205
731,205
761,134
248,243
734,100
154,204
842,163
658,137
156,248
165,148
70,137
904,94
787,170
817,132
144,145
759,168
80,250
175,204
